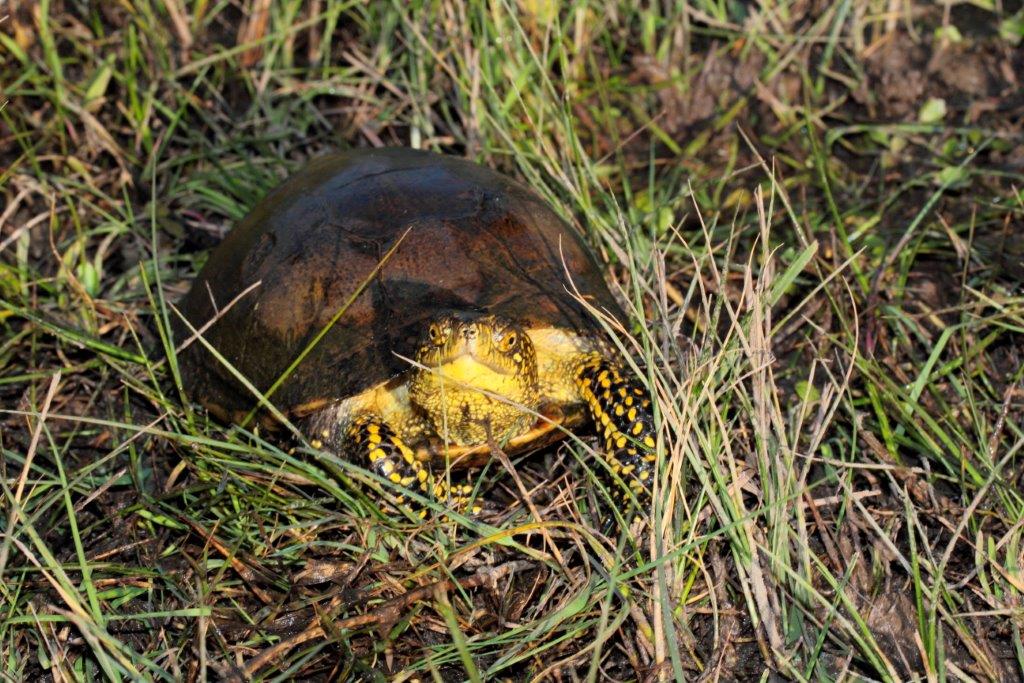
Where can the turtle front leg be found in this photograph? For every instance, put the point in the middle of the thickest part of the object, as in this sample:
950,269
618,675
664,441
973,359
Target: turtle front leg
392,459
621,409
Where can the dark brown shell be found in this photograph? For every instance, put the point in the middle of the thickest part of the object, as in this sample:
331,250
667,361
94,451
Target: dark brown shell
477,241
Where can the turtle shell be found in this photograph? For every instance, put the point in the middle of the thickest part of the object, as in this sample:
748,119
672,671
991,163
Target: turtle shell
474,241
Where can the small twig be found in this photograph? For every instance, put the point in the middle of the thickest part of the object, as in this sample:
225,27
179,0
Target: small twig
249,574
218,314
25,227
12,520
388,613
498,453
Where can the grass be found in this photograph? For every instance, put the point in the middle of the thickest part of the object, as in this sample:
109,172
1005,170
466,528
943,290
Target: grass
811,215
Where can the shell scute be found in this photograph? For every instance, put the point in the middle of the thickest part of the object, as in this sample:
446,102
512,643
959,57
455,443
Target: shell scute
473,240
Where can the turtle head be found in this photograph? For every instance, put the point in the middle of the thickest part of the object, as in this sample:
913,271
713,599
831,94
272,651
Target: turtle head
475,372
495,343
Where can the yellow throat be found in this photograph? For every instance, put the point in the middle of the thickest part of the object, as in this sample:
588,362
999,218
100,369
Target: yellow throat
479,378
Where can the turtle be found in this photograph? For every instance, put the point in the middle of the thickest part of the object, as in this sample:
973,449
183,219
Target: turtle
439,308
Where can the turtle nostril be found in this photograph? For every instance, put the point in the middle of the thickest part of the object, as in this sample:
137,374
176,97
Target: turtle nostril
469,332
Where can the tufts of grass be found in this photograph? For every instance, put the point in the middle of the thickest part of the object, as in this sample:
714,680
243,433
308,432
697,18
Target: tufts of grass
808,211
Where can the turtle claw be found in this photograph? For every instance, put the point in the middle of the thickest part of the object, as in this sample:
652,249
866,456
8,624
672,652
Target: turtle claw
391,459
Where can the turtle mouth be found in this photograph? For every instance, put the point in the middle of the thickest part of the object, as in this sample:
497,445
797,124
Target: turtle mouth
453,358
466,351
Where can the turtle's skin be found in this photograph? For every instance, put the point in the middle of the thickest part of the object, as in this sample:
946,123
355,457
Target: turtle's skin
472,328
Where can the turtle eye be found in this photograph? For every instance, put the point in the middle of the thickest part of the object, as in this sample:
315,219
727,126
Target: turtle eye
436,333
509,341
